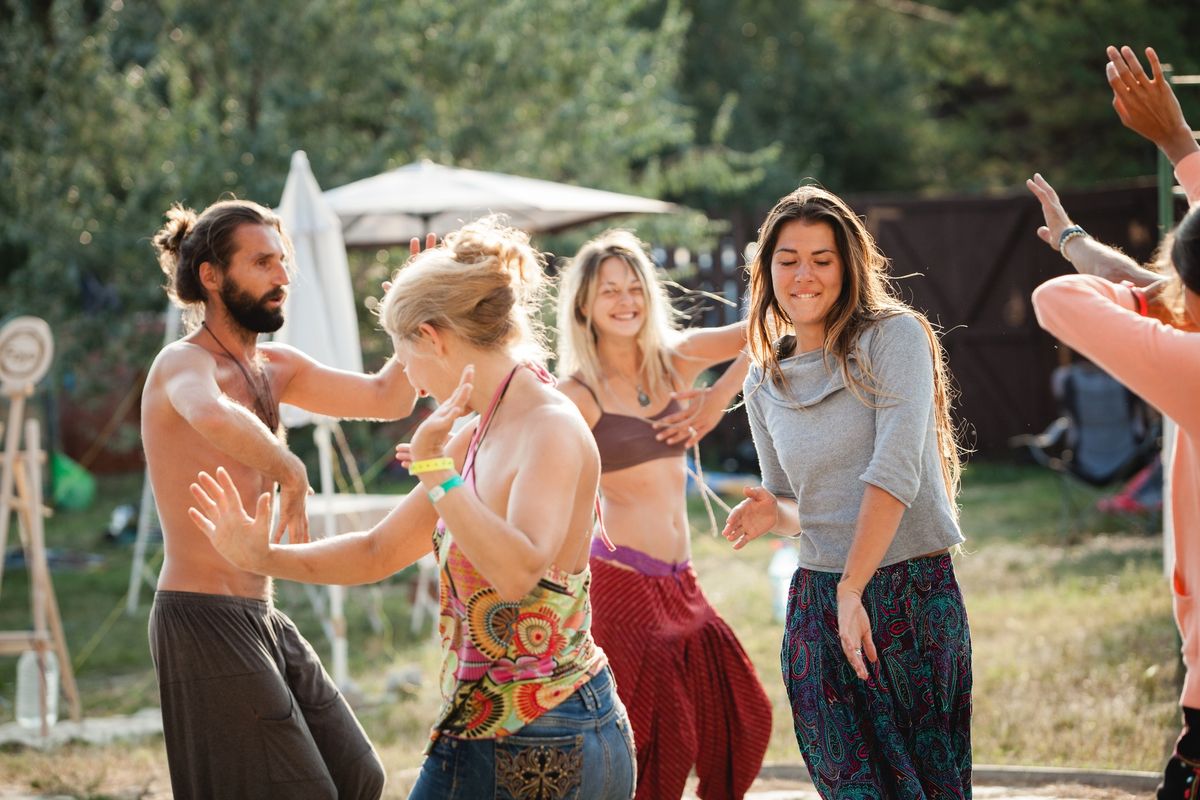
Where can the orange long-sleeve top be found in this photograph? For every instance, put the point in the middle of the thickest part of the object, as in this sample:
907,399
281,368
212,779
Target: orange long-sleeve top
1161,364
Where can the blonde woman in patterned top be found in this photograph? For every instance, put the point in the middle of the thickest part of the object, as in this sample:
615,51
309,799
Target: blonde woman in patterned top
508,506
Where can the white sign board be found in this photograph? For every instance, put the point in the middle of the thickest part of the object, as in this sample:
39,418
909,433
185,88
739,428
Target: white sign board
26,350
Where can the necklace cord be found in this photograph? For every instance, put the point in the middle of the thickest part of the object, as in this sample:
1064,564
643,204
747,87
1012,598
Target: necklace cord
267,411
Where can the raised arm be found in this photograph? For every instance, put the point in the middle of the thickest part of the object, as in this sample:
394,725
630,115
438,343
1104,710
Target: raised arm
350,395
398,540
310,385
1147,105
1084,253
349,559
700,348
1099,320
190,383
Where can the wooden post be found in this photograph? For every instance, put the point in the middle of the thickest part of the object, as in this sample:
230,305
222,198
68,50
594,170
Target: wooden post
26,347
12,434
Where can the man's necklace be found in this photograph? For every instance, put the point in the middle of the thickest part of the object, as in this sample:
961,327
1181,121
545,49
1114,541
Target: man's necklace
267,411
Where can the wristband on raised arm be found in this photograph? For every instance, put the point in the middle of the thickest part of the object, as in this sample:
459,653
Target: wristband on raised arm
1069,233
440,491
430,465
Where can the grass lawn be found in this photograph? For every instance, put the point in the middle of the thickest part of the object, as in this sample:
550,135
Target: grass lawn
1075,652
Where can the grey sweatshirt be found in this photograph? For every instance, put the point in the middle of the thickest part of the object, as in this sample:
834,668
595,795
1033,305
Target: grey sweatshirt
819,445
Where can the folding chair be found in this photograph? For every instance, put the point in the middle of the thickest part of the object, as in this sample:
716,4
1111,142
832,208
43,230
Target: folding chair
1104,436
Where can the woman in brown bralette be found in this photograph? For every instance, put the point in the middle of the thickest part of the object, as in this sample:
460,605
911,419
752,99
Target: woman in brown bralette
680,671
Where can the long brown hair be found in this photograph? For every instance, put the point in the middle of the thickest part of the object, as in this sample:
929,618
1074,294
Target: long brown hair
866,297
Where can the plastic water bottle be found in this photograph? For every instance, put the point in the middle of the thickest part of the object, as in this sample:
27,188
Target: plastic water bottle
28,705
782,567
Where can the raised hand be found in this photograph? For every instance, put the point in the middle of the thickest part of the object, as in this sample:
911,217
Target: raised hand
1146,104
1052,209
414,244
242,539
414,247
752,517
430,438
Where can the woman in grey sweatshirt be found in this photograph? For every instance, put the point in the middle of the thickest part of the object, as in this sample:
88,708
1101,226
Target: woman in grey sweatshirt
849,404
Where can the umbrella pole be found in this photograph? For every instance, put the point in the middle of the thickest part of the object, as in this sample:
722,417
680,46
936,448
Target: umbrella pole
337,594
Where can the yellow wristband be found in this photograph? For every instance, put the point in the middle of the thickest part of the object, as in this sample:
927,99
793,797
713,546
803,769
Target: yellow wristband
430,465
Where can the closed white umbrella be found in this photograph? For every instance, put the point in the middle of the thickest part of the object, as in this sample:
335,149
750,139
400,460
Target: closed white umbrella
424,197
321,319
322,322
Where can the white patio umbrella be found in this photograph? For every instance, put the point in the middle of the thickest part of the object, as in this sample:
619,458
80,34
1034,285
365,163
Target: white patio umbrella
424,197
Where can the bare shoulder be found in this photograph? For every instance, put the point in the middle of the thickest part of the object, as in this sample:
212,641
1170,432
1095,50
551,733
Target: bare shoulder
562,434
285,360
696,349
181,356
581,397
279,352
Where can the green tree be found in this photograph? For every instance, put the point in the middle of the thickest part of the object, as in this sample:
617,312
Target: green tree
1019,86
825,82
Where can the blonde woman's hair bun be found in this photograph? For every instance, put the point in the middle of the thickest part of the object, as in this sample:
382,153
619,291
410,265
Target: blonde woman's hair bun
490,241
483,282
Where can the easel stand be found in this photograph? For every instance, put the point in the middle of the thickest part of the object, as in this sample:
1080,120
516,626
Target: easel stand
21,491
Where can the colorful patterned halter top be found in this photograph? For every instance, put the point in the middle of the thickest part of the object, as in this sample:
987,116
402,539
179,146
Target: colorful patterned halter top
507,663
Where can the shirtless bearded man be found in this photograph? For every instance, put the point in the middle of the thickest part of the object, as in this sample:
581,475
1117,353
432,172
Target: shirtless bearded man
248,711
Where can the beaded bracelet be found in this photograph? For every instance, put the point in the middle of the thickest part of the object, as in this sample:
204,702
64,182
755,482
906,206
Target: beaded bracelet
1069,233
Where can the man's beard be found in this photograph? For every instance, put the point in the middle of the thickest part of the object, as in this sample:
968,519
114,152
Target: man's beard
250,312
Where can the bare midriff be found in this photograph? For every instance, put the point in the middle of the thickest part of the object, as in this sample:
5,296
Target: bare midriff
645,508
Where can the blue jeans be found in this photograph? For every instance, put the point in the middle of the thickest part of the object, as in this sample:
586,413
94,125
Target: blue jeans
582,749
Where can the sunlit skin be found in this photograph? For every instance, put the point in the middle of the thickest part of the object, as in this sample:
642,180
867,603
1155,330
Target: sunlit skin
425,370
644,505
806,275
198,414
529,506
259,267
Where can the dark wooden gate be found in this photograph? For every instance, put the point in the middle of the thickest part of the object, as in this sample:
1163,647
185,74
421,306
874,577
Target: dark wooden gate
979,261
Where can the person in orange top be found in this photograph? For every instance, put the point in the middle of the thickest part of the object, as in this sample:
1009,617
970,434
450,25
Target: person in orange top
1150,342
